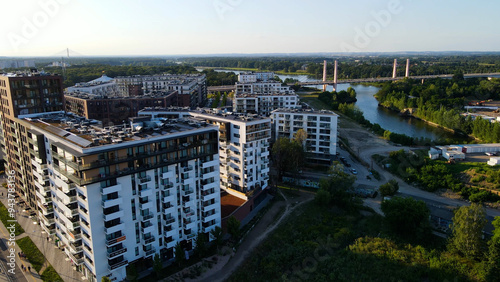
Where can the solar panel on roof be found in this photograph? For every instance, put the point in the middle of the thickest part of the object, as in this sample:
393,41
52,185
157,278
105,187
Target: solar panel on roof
78,140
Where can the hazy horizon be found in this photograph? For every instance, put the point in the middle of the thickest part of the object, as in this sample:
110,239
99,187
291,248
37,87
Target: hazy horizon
46,28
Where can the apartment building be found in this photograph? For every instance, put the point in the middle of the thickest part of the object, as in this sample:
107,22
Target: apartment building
263,88
243,146
251,77
116,195
321,128
115,110
264,104
103,86
25,93
194,85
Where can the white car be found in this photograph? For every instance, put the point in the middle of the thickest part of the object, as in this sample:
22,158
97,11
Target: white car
354,171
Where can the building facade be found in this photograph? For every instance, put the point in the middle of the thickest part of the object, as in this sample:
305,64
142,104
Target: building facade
103,86
194,85
243,146
115,110
116,195
264,104
263,88
320,126
21,94
251,77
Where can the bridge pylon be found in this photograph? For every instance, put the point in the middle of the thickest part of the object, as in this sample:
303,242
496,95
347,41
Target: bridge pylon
407,74
325,64
335,76
395,69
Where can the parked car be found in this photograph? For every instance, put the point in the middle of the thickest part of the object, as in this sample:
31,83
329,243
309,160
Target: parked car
347,164
491,154
354,171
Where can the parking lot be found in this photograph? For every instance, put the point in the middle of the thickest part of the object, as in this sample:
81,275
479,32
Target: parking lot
477,157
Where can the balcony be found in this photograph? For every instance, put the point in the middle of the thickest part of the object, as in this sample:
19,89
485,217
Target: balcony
111,202
187,168
144,179
111,242
149,252
147,216
114,228
148,239
147,227
116,253
116,265
77,258
74,236
75,248
111,189
46,209
146,192
169,220
113,215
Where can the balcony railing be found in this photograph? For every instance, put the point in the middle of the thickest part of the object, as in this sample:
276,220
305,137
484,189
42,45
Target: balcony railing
115,240
116,253
117,264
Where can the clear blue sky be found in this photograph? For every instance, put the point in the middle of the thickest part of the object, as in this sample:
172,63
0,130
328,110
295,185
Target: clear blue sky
171,27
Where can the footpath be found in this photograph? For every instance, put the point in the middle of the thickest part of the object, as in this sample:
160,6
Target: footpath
44,242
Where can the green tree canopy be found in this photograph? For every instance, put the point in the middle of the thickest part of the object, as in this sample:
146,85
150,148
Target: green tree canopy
407,216
337,188
467,228
390,188
233,227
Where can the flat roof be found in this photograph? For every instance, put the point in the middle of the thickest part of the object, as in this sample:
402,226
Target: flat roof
90,133
303,111
214,113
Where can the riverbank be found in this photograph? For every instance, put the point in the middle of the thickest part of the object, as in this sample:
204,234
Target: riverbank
409,114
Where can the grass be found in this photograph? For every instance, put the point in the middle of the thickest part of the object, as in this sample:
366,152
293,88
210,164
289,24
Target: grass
50,275
5,217
31,251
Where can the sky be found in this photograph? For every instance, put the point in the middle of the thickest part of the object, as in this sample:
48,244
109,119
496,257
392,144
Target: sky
189,27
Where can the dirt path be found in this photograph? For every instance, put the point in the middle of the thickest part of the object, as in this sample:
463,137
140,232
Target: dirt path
264,227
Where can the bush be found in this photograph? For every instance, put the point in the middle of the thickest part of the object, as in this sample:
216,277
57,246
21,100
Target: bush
389,189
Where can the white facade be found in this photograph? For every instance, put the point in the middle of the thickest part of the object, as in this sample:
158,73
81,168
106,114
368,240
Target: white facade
263,88
320,126
112,203
251,77
102,86
264,104
243,146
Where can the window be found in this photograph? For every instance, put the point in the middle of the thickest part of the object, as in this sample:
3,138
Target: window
236,126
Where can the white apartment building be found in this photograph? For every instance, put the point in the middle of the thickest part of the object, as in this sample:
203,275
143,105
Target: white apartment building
102,86
321,128
118,194
264,104
193,84
251,77
263,88
243,146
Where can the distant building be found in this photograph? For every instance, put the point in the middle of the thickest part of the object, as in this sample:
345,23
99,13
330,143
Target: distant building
16,64
252,77
104,86
115,110
194,85
264,104
320,126
263,88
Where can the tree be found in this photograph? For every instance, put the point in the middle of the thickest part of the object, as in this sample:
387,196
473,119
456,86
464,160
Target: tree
467,229
201,244
493,262
105,279
132,272
233,227
390,188
300,137
407,217
218,236
287,156
337,188
157,265
179,253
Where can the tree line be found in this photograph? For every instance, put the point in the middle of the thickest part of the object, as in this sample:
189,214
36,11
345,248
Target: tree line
442,101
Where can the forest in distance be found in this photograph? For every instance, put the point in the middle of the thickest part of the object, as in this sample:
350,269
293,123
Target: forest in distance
83,69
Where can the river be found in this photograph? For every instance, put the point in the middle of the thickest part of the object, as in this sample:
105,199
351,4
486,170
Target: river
387,119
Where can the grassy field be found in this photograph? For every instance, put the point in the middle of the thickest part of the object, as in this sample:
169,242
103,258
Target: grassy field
31,251
5,217
50,275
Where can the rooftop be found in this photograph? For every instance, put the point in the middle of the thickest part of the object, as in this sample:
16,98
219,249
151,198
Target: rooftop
90,96
26,73
304,111
216,113
90,133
